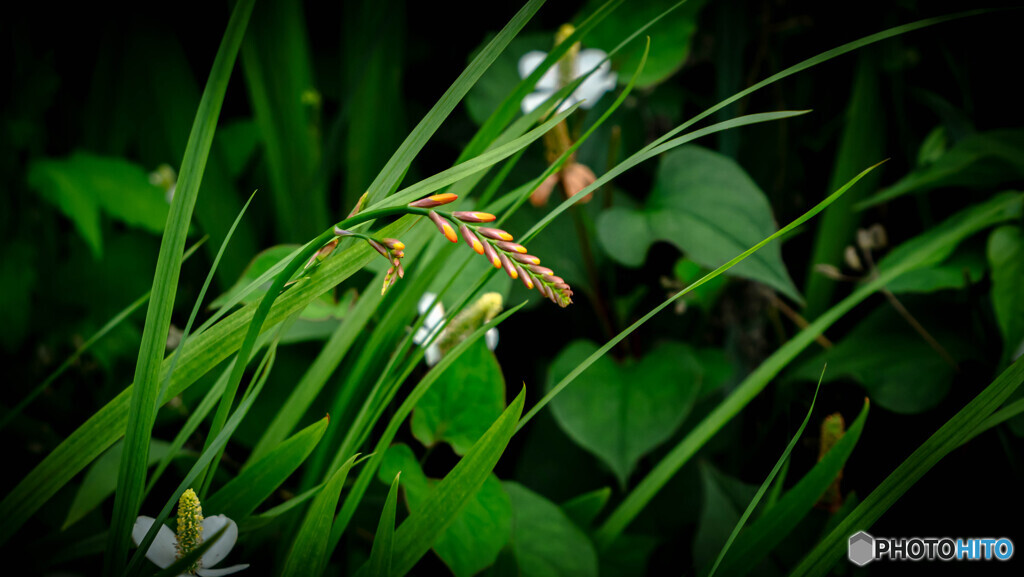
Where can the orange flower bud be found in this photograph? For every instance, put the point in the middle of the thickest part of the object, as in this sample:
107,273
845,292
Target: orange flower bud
473,216
434,200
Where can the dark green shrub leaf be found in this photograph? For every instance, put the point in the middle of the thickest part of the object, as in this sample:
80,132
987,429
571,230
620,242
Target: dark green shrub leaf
1006,257
625,410
706,205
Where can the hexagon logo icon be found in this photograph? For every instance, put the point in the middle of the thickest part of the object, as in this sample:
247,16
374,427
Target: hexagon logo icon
861,549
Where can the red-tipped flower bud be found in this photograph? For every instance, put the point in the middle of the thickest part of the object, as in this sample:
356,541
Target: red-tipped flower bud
492,255
471,239
541,270
394,244
434,200
495,233
511,247
379,248
444,226
525,258
527,281
473,216
509,267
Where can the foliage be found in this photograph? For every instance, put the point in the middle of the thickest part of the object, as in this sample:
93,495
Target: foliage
857,211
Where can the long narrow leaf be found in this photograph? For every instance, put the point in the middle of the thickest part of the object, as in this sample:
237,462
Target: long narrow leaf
769,530
424,525
768,481
940,444
309,552
132,476
384,542
908,256
243,494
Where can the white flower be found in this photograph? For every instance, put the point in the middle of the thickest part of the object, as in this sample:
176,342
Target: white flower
590,91
434,324
168,547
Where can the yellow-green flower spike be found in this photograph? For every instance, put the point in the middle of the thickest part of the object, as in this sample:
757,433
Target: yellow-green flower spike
567,64
190,525
481,312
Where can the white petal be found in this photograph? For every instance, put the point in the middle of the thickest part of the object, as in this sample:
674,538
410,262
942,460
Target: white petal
530,61
224,571
533,100
163,552
491,338
601,81
219,550
590,58
425,301
433,355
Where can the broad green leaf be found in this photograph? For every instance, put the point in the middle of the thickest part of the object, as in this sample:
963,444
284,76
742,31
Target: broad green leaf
708,207
954,273
83,186
927,249
436,513
722,502
754,544
383,542
463,403
670,37
950,436
628,409
1006,257
309,552
145,395
244,493
101,479
979,161
896,366
475,537
586,507
545,541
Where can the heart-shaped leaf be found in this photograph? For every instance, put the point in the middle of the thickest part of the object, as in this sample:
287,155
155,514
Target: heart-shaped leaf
474,539
463,403
707,206
623,411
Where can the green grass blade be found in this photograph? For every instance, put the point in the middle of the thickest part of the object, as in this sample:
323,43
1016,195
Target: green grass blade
211,347
392,172
769,530
862,141
111,324
1002,415
510,106
910,255
243,494
199,299
950,436
320,371
309,552
207,456
423,526
132,476
366,475
615,340
191,425
384,542
768,481
278,71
